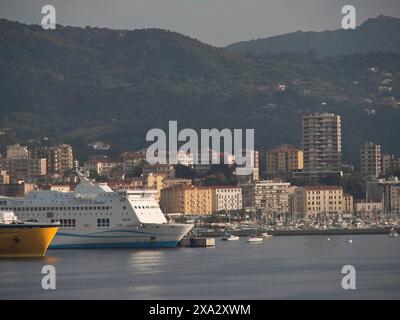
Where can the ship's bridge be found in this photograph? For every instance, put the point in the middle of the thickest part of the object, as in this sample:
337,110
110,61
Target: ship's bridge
144,205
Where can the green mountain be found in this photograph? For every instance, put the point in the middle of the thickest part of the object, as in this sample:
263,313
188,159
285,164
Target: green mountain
80,85
375,34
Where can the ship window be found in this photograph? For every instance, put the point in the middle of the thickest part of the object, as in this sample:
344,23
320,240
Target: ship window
68,223
103,222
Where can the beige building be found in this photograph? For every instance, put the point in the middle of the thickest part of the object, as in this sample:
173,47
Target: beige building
137,183
101,167
155,182
226,198
283,160
370,156
348,205
166,170
268,197
189,200
368,210
60,159
313,200
322,143
17,152
4,177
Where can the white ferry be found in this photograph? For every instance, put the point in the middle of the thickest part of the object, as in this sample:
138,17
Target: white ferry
94,216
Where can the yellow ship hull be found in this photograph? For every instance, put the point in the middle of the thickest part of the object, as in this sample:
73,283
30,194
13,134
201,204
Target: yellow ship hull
25,240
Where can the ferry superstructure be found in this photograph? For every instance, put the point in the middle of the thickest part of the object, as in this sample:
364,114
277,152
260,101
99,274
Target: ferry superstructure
94,216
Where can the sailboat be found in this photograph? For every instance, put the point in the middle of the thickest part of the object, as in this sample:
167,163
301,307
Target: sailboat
255,238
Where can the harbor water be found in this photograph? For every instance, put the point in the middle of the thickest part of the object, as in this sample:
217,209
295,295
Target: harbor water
284,267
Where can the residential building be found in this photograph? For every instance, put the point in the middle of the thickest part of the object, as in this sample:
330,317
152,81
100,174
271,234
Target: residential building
137,183
391,195
170,182
4,177
155,182
368,210
25,169
19,189
268,197
166,170
132,161
189,200
102,167
370,155
312,201
390,163
322,146
253,167
226,198
17,152
60,159
348,205
283,160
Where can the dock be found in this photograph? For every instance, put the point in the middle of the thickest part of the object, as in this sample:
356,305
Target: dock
197,242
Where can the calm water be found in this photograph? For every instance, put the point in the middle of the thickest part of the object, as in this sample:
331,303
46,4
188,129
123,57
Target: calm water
297,267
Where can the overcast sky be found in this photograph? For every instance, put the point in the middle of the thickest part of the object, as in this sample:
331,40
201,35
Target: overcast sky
218,22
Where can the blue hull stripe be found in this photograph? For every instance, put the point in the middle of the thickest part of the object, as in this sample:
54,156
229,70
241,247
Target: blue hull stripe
117,245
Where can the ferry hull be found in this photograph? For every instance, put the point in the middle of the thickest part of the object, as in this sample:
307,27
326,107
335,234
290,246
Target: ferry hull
25,241
147,236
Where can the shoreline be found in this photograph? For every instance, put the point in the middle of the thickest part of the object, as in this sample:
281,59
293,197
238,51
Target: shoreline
305,232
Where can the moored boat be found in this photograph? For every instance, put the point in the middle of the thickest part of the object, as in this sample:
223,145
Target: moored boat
229,237
393,233
265,235
254,239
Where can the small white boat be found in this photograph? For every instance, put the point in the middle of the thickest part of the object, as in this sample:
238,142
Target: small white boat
393,233
349,241
265,235
229,237
255,239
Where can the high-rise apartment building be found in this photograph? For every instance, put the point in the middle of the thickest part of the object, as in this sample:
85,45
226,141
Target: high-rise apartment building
60,159
322,143
370,155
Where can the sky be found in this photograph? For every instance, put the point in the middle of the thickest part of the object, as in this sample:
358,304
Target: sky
217,22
